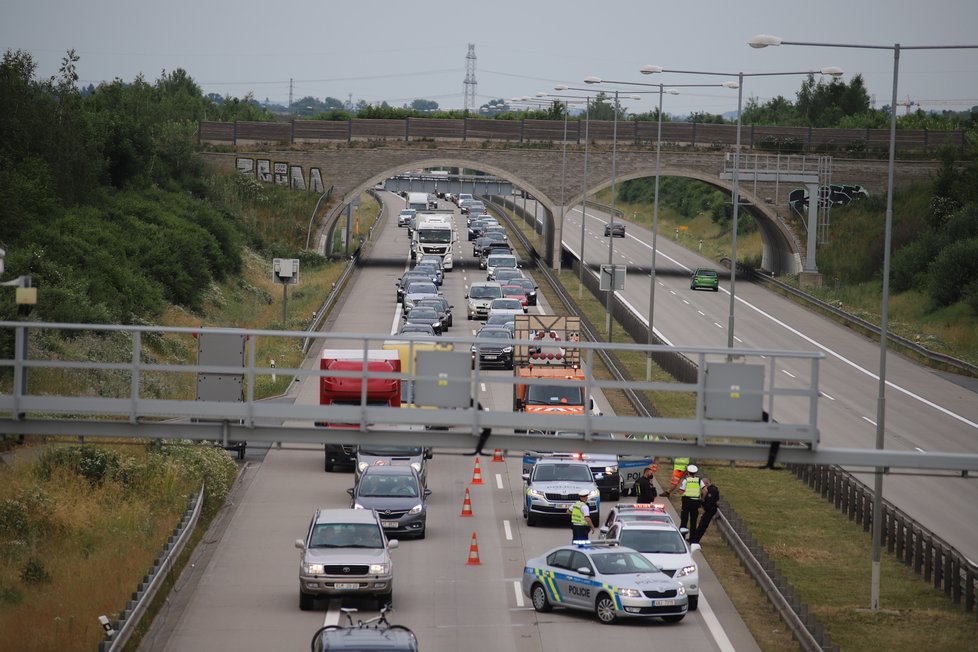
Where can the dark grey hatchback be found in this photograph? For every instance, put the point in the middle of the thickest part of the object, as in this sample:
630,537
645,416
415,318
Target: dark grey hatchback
397,495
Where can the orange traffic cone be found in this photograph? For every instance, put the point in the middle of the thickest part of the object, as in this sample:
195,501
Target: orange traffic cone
466,504
497,456
473,553
476,473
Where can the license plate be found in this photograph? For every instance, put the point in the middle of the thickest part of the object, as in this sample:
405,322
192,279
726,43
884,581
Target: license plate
393,524
665,603
490,357
346,585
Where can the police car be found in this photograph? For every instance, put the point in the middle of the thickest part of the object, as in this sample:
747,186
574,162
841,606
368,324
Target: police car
553,485
663,545
636,512
604,466
610,580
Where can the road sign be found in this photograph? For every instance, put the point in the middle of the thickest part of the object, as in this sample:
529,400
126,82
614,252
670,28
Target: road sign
612,276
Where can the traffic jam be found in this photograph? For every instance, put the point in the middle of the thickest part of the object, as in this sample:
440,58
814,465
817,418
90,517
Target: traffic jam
637,563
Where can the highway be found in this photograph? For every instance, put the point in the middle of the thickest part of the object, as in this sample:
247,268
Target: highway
242,592
926,410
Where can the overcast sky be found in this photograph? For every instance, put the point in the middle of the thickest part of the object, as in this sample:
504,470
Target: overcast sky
400,51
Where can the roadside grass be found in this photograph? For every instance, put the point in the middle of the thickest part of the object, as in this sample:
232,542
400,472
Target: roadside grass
54,584
825,556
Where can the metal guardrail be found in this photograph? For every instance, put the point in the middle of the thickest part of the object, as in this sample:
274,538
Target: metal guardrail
150,586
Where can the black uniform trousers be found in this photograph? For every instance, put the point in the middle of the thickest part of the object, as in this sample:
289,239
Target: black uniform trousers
708,514
689,513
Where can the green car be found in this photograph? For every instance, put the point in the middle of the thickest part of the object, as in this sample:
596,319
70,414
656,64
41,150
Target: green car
703,277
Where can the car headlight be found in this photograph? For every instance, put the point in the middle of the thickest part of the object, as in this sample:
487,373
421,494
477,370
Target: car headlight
416,509
686,570
610,470
630,593
508,349
533,493
681,590
416,466
362,466
378,569
313,569
358,506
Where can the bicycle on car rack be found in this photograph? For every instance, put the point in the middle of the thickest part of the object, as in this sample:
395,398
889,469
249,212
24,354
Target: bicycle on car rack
362,634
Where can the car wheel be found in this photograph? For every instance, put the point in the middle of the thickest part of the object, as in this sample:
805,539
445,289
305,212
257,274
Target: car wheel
421,536
538,595
384,599
531,519
328,466
615,495
604,609
306,601
470,317
673,619
716,289
694,602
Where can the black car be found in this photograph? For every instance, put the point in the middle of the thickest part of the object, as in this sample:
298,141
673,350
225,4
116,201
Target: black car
398,496
615,230
422,315
476,227
494,348
442,306
416,329
434,271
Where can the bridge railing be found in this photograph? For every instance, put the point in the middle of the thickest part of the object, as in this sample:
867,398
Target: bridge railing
700,134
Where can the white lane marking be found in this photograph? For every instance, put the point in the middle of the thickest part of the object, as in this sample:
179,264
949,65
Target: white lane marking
333,613
826,396
507,529
738,339
717,324
702,314
788,373
710,619
918,448
482,387
519,594
686,302
672,291
499,484
870,420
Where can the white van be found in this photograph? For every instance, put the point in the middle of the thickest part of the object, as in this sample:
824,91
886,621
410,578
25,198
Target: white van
418,201
499,261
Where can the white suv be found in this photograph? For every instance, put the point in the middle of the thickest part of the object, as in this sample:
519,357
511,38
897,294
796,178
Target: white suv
662,544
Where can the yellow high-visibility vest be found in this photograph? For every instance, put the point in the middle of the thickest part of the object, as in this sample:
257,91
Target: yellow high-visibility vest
577,514
692,487
679,463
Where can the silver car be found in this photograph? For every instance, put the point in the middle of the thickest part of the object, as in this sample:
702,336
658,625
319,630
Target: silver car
345,552
554,485
605,579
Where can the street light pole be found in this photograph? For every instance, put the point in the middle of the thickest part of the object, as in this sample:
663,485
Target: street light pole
611,221
655,232
766,40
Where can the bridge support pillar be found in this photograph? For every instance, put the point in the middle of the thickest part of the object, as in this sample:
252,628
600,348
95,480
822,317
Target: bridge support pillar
813,201
808,280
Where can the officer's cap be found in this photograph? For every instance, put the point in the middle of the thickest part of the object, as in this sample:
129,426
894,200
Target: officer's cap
692,468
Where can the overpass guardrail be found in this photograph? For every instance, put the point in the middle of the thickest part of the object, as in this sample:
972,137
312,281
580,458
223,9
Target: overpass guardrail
695,134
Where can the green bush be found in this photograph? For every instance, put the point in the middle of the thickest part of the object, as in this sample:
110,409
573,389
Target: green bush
954,270
34,572
910,264
94,463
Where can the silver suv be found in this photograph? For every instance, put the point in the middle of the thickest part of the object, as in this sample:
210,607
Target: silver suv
345,552
554,485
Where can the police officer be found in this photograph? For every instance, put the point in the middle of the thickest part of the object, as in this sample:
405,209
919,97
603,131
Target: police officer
711,498
580,513
644,491
689,489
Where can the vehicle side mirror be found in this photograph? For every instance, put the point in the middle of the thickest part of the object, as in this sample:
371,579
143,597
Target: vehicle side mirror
517,404
526,478
590,405
350,491
300,544
466,296
603,529
427,492
584,570
392,544
695,547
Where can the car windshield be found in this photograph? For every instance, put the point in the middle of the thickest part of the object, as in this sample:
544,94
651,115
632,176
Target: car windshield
422,313
442,236
620,563
376,485
346,535
705,272
424,287
562,472
653,541
502,261
495,335
423,329
506,304
553,395
485,292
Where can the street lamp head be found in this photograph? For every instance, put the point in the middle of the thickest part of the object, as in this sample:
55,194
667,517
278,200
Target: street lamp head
832,71
671,91
592,80
541,94
561,87
764,40
651,70
730,84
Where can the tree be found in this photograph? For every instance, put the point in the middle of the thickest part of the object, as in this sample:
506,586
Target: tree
424,106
